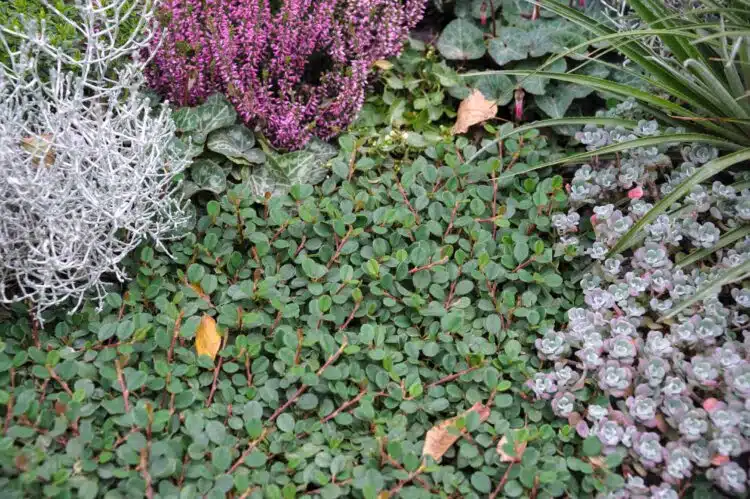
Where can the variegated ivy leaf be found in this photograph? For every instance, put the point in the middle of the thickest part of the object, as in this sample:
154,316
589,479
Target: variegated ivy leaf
557,101
208,176
281,171
185,146
535,84
323,151
236,143
496,87
264,181
201,120
512,45
561,36
461,40
302,167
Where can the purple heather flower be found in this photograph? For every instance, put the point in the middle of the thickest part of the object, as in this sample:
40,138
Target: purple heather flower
262,57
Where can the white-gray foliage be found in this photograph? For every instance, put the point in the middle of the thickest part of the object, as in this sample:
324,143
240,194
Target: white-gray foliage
87,171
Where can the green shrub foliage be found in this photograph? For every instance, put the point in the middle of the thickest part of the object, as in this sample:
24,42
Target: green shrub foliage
356,315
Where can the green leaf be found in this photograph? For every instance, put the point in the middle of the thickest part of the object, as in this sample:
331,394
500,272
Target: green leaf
285,423
236,143
199,121
461,40
481,482
216,432
494,87
263,180
592,446
512,348
512,45
221,458
556,103
208,176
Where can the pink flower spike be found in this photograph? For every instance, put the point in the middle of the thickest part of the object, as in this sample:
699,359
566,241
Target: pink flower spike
636,192
582,4
593,220
519,95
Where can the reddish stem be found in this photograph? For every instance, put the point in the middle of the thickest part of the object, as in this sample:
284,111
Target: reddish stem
429,265
451,377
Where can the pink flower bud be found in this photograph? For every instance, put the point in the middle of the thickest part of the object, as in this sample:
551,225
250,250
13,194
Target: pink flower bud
636,192
483,13
710,404
518,108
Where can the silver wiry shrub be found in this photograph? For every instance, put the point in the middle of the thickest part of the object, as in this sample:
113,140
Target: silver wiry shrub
87,171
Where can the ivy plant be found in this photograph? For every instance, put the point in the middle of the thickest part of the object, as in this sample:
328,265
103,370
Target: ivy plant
222,147
516,34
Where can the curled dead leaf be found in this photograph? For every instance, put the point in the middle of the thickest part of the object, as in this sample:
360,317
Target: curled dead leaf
439,439
473,110
207,339
518,450
40,148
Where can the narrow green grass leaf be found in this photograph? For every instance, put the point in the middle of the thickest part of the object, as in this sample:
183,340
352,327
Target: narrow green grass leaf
727,239
732,275
704,173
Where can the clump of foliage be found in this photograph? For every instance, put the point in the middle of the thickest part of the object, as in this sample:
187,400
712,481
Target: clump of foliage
352,319
517,34
657,362
221,147
88,170
296,69
16,15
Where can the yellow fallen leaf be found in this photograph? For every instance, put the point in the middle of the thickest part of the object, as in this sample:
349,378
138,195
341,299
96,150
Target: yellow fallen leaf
207,339
473,110
438,439
382,64
40,147
518,450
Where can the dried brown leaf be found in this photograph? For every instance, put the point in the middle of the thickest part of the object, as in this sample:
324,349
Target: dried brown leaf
207,339
473,110
438,439
41,148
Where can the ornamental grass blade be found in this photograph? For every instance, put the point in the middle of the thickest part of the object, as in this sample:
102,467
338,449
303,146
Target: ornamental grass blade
727,239
473,110
550,123
733,275
704,173
207,339
439,439
671,138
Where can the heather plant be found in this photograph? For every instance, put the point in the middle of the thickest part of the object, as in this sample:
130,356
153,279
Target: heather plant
88,167
660,352
295,69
